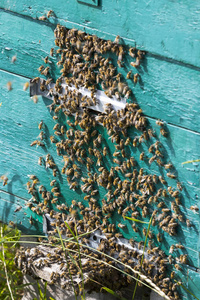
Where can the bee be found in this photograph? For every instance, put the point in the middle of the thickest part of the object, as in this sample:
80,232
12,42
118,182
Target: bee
194,208
35,99
26,85
168,166
31,220
159,122
188,223
128,76
116,153
135,142
142,155
170,175
42,18
34,143
152,159
136,63
50,13
159,237
135,77
163,132
45,71
177,267
183,259
122,226
117,161
155,178
9,85
11,223
162,180
55,172
172,275
151,133
159,162
4,179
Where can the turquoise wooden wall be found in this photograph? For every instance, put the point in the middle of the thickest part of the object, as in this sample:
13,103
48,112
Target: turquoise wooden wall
170,73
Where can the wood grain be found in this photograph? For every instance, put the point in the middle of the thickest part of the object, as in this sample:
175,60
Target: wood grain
166,89
19,119
167,28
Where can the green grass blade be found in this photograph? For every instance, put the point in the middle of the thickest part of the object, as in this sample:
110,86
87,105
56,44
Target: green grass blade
186,289
136,284
190,161
136,220
113,293
61,240
80,263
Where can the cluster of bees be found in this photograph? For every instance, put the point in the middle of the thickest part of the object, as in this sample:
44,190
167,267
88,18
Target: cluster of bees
128,189
96,269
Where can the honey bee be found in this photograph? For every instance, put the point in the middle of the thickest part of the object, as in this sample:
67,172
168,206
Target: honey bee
42,18
162,180
135,77
194,208
136,63
122,226
178,267
11,223
128,76
170,175
51,51
188,223
31,220
26,85
152,159
159,162
50,13
168,166
4,179
159,122
9,85
35,99
142,155
151,133
163,132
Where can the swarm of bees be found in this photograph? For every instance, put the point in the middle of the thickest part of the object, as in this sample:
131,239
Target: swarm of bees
130,190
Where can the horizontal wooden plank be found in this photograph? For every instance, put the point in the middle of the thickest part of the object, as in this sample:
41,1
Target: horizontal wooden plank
19,119
167,28
166,90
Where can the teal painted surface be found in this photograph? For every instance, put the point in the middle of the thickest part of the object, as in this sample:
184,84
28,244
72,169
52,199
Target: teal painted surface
18,159
167,28
167,89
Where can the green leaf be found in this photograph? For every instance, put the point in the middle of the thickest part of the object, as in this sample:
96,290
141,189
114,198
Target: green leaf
70,230
136,220
113,293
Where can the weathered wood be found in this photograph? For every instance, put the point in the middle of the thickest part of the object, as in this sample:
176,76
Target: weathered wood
166,28
166,89
19,119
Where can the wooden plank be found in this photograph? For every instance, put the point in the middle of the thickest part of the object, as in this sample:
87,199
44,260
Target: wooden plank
167,28
166,89
13,209
19,119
